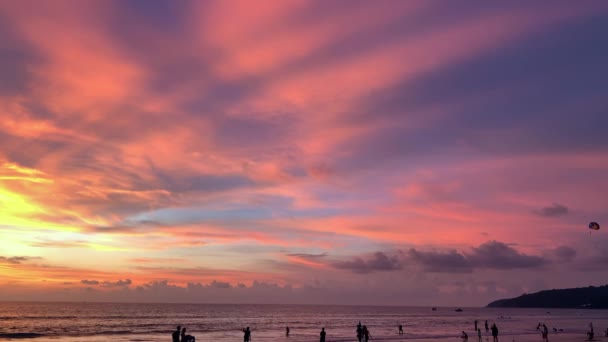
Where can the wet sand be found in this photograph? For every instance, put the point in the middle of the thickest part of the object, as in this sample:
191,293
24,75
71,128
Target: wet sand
560,337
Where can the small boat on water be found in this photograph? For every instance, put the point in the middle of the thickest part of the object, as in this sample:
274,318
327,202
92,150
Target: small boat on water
434,308
458,310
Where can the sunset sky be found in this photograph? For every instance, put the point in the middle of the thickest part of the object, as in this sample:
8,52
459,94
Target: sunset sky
351,152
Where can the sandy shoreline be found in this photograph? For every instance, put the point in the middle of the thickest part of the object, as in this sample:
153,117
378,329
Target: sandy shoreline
562,337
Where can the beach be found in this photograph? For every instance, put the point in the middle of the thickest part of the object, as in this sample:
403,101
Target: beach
96,322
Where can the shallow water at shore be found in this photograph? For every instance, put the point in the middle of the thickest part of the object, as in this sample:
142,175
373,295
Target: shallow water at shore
96,322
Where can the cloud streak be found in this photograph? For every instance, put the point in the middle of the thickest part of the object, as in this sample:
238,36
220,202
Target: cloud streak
298,142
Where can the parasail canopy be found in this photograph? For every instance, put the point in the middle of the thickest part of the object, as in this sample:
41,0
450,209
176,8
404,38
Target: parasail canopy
594,226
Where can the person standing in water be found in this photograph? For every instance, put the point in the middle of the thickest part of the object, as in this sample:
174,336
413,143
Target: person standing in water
475,325
478,335
359,332
487,326
494,333
247,335
366,334
322,339
464,336
400,329
287,331
176,333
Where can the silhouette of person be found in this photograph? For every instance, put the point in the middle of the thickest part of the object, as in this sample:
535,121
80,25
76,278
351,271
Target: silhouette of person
287,331
247,334
366,334
187,338
545,333
359,332
486,324
400,329
538,326
464,336
175,334
479,335
590,333
475,325
606,333
322,334
494,333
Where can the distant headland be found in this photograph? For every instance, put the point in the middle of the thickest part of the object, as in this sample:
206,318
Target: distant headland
583,297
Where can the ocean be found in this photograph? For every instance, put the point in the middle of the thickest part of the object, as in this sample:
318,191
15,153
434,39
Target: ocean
96,322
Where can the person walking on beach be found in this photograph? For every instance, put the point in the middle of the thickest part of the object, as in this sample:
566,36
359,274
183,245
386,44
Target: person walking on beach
487,326
322,339
464,336
366,334
175,334
478,335
494,333
400,329
287,331
475,325
545,334
247,335
359,332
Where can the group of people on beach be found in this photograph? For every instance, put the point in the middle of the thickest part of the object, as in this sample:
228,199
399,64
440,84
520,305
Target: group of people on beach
493,328
363,334
591,333
545,332
179,335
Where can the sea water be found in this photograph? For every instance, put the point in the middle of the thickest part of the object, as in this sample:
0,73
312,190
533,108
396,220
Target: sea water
96,322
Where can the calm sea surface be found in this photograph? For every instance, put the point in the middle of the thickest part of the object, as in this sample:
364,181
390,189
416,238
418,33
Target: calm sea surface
95,322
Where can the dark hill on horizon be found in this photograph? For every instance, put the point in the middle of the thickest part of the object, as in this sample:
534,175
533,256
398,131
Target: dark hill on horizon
591,297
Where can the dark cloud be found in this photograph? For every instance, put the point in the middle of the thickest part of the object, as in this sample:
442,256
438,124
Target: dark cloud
450,262
564,253
490,255
118,283
16,259
106,283
220,284
498,255
554,210
89,282
377,262
308,256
